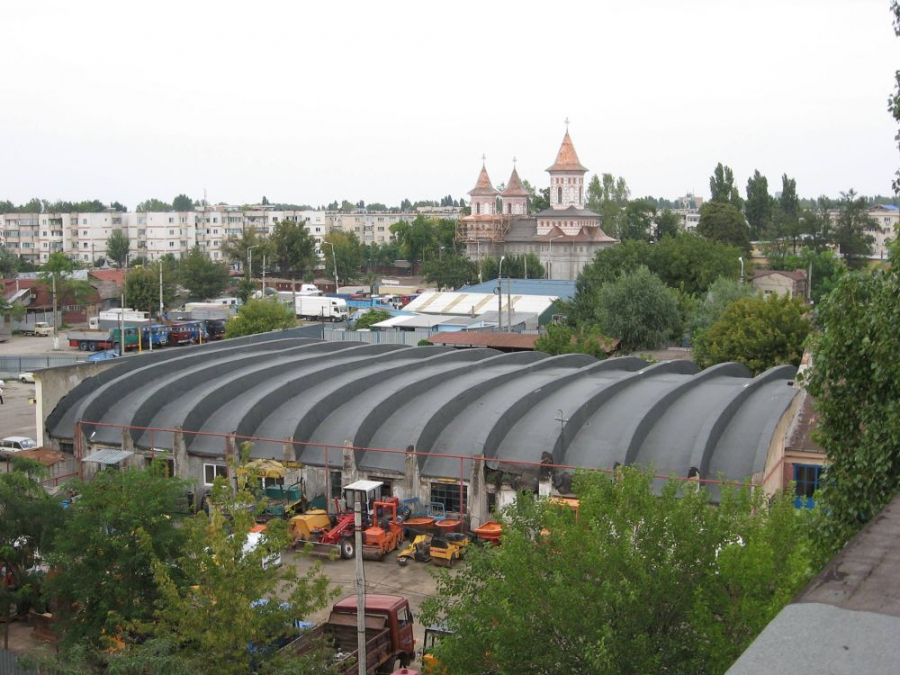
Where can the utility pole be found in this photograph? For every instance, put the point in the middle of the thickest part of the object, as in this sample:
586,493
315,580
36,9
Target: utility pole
360,587
334,261
264,276
55,322
508,301
500,294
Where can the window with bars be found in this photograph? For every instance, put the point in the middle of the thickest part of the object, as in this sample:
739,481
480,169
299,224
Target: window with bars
448,494
806,482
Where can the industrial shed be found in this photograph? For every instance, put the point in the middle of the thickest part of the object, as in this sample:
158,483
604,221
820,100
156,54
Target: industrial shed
332,405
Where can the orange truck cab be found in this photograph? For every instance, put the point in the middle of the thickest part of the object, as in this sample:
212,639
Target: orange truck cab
389,635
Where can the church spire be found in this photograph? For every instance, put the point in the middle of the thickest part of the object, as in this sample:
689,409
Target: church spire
567,158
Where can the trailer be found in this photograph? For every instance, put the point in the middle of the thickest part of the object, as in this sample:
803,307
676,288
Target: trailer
98,340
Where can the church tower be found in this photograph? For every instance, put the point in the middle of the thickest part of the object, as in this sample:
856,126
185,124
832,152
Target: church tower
515,196
484,196
567,178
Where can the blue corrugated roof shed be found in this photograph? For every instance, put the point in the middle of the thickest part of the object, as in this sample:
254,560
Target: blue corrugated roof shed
559,287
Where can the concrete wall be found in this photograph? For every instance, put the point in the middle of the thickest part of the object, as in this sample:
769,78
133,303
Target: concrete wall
54,383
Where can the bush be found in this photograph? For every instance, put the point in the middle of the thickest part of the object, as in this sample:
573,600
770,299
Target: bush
759,332
260,316
638,309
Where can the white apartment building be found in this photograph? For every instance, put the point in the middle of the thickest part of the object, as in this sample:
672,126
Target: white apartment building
83,236
887,226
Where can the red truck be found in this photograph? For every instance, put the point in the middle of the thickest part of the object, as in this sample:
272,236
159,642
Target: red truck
389,635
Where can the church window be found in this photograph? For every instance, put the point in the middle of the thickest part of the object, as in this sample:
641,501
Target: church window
477,208
559,195
509,208
580,195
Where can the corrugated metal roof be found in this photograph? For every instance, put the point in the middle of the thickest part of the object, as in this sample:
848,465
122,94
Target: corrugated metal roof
446,302
494,339
547,287
108,456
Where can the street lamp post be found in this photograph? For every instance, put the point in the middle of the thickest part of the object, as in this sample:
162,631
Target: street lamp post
334,261
500,294
250,262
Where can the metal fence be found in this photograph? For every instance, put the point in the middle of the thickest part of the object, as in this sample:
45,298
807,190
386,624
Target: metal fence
11,365
9,664
389,337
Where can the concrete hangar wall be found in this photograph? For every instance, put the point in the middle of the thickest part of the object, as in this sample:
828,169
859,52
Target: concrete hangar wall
348,410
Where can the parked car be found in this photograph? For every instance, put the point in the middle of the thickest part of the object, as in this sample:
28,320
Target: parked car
26,378
12,444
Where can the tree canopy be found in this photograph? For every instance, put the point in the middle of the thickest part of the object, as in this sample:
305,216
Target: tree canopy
759,332
349,252
182,203
117,246
293,248
371,317
723,189
154,204
142,287
260,316
204,278
636,583
852,228
759,206
104,554
855,382
560,338
608,196
450,271
638,309
724,223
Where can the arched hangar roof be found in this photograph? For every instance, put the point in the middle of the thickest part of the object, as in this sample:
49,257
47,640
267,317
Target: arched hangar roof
514,407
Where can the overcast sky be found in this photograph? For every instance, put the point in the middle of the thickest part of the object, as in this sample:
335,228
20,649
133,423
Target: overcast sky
308,102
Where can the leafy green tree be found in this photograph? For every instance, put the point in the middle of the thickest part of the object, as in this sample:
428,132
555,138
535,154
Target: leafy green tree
182,203
638,309
350,254
723,189
608,196
154,204
260,316
293,248
515,266
637,220
217,601
668,224
240,248
142,288
759,332
539,200
852,228
724,223
759,206
691,263
204,278
788,222
416,238
117,246
718,297
855,382
29,523
9,263
103,556
371,317
560,338
451,271
69,291
687,263
672,585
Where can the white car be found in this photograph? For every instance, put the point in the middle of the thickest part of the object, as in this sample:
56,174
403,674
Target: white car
12,444
26,378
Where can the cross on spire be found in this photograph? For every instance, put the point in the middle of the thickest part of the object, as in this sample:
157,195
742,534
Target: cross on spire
567,124
514,161
483,158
